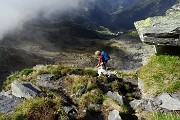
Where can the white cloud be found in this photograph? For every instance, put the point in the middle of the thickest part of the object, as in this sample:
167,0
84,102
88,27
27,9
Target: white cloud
13,13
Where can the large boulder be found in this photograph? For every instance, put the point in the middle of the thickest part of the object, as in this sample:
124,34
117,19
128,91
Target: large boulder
161,30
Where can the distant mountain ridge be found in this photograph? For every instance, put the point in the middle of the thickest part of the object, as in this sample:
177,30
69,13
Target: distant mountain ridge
116,15
121,14
142,10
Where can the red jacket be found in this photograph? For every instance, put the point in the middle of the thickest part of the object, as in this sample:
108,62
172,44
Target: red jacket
101,59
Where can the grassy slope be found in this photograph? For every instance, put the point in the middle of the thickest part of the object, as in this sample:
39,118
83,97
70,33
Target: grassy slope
74,79
161,74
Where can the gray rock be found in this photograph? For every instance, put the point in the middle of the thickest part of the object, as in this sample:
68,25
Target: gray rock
161,30
116,96
7,103
44,77
136,103
46,84
168,102
69,109
25,89
114,115
176,96
141,87
6,93
148,107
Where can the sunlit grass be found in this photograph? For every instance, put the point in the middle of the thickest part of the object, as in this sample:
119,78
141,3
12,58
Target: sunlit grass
24,108
161,74
160,116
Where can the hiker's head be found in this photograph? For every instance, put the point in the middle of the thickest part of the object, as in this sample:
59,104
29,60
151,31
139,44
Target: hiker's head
97,53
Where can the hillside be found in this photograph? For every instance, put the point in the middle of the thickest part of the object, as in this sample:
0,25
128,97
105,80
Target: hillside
141,10
117,15
15,59
48,67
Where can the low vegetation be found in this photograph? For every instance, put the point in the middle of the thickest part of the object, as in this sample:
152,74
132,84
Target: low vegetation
161,74
36,108
74,80
160,116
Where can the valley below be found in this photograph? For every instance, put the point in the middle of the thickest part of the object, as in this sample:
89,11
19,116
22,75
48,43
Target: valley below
69,44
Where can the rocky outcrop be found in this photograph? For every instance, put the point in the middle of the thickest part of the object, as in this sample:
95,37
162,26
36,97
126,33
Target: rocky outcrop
25,89
161,30
164,102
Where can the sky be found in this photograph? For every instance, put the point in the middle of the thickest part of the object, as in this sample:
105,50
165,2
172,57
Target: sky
14,13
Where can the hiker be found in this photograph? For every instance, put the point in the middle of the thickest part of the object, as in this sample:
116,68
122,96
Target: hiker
103,58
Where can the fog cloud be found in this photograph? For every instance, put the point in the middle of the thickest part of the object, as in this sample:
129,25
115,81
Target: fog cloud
13,13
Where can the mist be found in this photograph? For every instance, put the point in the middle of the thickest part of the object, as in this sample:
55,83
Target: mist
14,13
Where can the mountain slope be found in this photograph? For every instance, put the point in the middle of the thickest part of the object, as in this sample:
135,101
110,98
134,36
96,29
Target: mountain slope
142,10
14,59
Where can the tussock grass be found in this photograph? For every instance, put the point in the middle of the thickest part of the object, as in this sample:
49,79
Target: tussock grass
73,80
111,105
93,96
161,74
23,109
76,82
30,74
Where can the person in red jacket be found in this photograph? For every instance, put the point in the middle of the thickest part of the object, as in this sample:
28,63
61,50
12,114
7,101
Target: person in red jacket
100,60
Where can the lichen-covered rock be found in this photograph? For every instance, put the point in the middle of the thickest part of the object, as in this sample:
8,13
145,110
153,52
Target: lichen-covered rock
161,30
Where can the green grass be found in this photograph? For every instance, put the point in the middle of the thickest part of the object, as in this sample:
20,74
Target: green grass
93,96
161,74
76,82
12,77
26,71
23,109
74,79
160,116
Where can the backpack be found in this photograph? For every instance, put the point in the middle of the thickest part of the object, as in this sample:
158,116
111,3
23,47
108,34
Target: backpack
105,55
